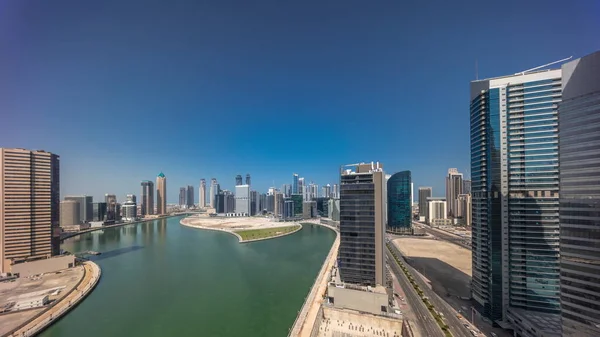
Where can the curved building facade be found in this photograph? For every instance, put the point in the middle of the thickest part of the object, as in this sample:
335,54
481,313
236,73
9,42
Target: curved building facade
399,203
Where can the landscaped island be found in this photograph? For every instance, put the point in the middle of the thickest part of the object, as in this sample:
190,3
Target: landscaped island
265,233
246,229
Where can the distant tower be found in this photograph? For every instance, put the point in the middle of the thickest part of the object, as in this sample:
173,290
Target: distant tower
454,187
238,180
161,194
182,196
295,184
202,194
214,190
189,200
248,179
147,198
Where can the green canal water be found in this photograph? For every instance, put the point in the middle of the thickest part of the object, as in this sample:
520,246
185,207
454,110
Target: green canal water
163,279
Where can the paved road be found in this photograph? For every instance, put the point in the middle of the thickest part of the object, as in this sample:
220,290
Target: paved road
425,321
456,325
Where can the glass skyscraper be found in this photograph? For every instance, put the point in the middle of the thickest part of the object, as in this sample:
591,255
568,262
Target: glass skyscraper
579,132
514,186
399,203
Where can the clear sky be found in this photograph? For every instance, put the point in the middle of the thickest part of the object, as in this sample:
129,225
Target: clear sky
123,90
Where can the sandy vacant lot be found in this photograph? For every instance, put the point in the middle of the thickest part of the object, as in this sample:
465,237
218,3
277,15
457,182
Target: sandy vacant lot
232,223
446,265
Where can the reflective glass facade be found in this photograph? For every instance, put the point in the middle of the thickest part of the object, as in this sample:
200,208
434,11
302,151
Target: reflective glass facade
579,130
398,201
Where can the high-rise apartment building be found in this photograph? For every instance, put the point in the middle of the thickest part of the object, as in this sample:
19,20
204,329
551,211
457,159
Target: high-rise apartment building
85,206
189,199
464,209
276,210
579,157
214,190
301,189
161,194
147,198
286,190
263,202
361,257
335,191
182,196
254,203
242,199
29,206
437,209
129,208
69,213
327,191
111,206
99,211
399,203
454,187
295,184
467,186
238,180
514,188
202,194
424,193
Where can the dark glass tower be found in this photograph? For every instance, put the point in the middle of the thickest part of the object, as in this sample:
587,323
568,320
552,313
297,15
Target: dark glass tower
399,203
579,140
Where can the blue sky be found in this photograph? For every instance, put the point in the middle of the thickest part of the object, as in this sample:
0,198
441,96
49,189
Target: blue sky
123,90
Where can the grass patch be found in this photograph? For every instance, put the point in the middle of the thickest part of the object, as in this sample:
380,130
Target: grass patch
263,233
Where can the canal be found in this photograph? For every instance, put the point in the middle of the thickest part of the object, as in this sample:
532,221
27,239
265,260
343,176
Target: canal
163,279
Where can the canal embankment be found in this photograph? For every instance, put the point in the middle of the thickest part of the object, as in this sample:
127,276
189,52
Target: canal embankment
307,316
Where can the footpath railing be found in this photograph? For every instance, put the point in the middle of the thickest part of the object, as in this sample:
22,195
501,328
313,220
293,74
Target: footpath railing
60,306
309,300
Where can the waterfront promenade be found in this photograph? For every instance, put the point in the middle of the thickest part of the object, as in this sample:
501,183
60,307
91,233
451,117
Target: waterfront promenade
307,316
41,321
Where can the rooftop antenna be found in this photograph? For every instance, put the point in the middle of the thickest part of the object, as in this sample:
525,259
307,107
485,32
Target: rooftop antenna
544,66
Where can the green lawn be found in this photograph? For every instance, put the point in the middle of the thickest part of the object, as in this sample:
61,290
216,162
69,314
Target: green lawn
253,234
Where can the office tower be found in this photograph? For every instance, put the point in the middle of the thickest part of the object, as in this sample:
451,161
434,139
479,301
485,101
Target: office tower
220,203
297,199
276,209
464,210
579,142
288,209
117,212
399,205
248,179
514,189
189,196
161,194
301,185
111,206
99,211
182,196
147,198
253,202
238,180
467,186
286,190
336,191
229,200
454,187
322,209
214,190
306,195
361,257
295,184
327,191
129,208
333,209
69,213
437,209
85,206
202,194
29,206
309,209
263,202
242,199
424,193
270,201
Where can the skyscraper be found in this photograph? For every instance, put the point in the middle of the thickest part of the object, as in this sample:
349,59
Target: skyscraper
29,205
111,206
361,257
327,191
248,179
214,190
514,187
189,196
182,196
454,187
147,198
399,204
69,213
579,142
202,194
129,208
254,203
463,211
238,180
242,199
424,193
286,189
301,185
161,194
467,186
336,191
85,206
99,211
295,184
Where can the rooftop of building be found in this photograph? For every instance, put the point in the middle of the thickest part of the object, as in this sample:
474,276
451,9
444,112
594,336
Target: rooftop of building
161,175
550,324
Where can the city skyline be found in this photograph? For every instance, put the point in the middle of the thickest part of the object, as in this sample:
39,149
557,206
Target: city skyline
212,89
